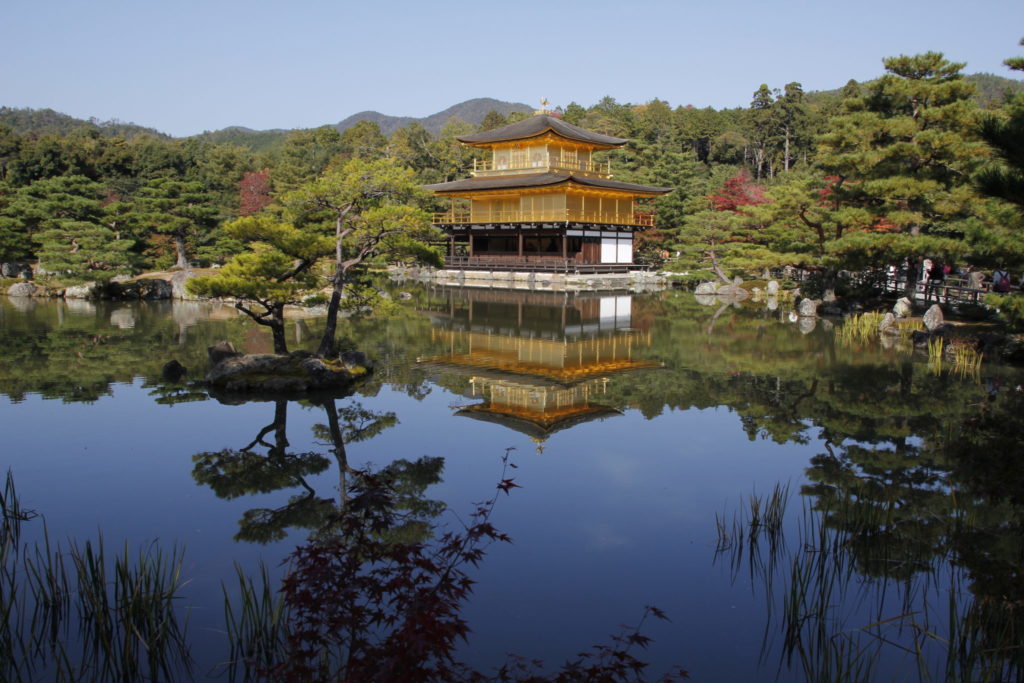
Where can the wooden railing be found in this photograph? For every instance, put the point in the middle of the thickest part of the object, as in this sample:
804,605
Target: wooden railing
552,163
950,290
550,216
536,263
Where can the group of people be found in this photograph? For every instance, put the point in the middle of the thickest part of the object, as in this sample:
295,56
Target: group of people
933,272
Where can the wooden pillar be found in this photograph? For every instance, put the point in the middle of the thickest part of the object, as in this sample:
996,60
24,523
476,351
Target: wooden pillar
565,245
520,244
471,249
451,245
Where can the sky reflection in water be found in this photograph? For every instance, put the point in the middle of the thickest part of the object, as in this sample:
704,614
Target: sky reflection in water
614,513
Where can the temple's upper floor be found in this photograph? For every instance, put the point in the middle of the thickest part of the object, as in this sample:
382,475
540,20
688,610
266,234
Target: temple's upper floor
540,144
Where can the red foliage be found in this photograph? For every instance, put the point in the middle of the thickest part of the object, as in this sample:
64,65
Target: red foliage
883,225
254,192
737,192
365,606
831,182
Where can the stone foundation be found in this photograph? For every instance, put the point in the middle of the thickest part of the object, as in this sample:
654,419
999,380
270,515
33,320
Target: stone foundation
637,281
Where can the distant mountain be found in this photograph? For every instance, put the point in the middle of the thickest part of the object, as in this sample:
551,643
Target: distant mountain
993,90
41,121
256,140
471,111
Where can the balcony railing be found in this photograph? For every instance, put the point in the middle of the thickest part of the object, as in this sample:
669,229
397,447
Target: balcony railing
552,163
550,216
536,263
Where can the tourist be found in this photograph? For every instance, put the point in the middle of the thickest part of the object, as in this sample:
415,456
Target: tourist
1001,281
926,270
975,278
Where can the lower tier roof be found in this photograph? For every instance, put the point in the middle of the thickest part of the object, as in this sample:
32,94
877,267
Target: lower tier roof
511,182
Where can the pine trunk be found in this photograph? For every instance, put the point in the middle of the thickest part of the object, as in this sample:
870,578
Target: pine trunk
327,341
277,329
179,246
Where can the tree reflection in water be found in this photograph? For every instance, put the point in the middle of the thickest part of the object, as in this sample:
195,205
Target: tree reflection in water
903,550
376,592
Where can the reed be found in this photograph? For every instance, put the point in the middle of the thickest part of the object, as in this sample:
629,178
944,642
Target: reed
861,328
967,360
936,349
77,613
815,594
256,626
908,327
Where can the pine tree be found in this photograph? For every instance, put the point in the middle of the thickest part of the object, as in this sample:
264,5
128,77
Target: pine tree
901,157
177,208
1006,138
66,218
274,272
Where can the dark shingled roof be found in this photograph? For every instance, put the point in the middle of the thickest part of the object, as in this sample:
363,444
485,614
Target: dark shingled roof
538,125
508,182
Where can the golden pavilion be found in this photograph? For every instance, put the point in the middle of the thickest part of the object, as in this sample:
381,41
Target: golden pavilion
543,202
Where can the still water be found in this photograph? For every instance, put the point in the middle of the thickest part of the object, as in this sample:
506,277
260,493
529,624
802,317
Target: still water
648,434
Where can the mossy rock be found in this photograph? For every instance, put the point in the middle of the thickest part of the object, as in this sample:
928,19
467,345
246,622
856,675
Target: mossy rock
296,373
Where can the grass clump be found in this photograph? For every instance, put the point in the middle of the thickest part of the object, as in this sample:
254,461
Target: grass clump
78,613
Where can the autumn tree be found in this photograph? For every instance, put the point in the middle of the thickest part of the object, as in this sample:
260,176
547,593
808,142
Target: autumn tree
254,192
723,236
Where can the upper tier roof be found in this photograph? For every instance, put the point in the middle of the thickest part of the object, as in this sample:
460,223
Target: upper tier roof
536,126
510,182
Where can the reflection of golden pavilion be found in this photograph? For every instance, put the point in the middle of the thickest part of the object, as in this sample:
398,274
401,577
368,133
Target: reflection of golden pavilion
538,359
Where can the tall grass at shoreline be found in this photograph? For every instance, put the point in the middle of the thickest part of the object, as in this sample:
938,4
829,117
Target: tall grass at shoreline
80,613
837,621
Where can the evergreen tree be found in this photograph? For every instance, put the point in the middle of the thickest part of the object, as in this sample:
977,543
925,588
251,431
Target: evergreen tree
363,141
65,217
760,129
304,157
790,118
900,158
274,272
492,120
180,209
1006,138
372,208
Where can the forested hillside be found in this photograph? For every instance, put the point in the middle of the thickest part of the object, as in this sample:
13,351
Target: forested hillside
39,121
888,171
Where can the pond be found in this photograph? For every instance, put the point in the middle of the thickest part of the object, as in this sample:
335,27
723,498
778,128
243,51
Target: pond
801,505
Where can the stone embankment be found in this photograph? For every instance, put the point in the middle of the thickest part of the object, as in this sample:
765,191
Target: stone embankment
151,287
636,281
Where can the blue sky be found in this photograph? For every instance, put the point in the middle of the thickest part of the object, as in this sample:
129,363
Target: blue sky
187,66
